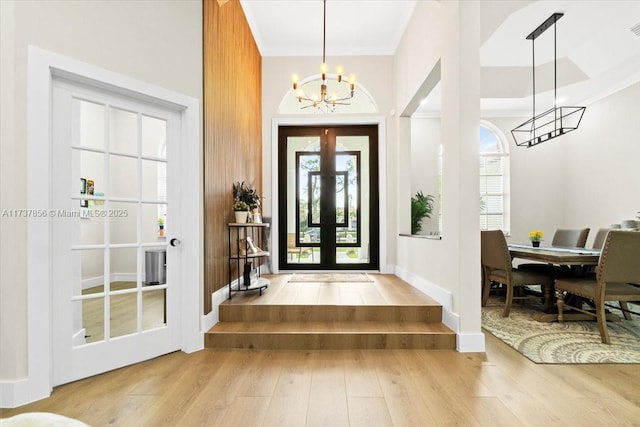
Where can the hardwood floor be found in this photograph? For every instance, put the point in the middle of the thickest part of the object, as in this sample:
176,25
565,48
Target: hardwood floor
351,388
238,387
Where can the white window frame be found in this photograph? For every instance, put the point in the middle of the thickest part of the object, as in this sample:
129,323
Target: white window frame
506,187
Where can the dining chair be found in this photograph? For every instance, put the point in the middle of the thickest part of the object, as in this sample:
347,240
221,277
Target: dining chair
575,238
293,249
598,241
497,267
618,270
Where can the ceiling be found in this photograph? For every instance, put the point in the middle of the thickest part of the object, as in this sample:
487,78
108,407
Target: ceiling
598,44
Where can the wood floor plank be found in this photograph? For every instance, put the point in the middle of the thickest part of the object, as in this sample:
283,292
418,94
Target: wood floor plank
361,379
349,387
368,412
442,393
327,395
404,400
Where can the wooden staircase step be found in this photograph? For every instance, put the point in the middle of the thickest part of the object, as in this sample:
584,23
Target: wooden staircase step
229,312
331,335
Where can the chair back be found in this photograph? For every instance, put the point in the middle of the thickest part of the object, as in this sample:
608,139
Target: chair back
575,238
494,252
598,241
291,240
619,259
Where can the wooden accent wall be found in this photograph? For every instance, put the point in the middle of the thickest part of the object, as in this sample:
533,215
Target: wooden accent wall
232,127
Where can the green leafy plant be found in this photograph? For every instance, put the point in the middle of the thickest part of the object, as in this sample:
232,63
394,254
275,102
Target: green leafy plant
421,207
240,206
243,192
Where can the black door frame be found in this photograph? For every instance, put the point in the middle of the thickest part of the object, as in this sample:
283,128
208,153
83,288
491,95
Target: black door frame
328,135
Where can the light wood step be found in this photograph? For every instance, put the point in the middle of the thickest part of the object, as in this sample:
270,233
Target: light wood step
229,312
331,335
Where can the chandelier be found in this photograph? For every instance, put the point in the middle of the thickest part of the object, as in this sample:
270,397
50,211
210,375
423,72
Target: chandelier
325,102
556,121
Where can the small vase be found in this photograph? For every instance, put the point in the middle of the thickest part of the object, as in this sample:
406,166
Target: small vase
241,216
535,244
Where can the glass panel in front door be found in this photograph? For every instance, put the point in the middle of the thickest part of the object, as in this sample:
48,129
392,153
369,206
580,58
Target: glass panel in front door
304,187
352,204
118,247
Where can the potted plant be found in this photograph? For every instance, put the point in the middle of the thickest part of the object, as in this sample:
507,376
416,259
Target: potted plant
241,210
245,193
421,207
535,236
161,222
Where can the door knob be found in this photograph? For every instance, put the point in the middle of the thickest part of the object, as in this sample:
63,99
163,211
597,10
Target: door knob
174,242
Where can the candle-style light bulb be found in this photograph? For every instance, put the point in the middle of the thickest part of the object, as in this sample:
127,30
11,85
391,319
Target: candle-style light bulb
323,70
294,80
339,72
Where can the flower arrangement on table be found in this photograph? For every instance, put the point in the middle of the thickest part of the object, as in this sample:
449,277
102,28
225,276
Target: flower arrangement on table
535,236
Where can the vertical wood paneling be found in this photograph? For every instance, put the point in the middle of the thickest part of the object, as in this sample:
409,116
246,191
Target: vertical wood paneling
232,127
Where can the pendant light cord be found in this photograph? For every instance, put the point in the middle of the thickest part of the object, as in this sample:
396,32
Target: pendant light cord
324,31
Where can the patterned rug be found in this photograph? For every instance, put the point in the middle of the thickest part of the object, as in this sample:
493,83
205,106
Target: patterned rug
570,342
330,277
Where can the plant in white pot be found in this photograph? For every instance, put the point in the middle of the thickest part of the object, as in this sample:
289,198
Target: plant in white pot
247,195
241,210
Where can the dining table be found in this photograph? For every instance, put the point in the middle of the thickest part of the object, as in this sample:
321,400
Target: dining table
575,258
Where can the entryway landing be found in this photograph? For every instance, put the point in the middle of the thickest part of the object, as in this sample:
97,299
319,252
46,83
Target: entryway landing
384,313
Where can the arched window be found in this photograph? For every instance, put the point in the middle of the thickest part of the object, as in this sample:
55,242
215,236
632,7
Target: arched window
494,179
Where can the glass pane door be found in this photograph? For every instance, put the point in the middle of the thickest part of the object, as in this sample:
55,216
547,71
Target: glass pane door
331,198
119,159
111,273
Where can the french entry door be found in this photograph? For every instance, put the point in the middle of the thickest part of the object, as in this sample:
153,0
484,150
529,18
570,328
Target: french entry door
115,268
328,198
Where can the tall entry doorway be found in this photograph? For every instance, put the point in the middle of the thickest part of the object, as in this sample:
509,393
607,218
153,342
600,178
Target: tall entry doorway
328,198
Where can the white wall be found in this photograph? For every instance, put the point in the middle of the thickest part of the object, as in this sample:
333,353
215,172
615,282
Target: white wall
159,42
448,269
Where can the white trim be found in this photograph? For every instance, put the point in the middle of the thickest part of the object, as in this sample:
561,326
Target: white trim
218,297
42,65
442,296
382,172
465,342
471,343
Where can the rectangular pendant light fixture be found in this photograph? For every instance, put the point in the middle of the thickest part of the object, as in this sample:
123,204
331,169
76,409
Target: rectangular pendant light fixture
556,121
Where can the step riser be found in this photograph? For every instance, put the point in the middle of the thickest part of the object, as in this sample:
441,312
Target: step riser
318,313
328,341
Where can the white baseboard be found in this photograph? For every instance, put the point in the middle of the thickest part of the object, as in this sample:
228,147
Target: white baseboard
465,342
20,392
213,317
471,343
444,297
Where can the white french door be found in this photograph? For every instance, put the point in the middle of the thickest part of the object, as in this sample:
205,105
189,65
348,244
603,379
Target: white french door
115,228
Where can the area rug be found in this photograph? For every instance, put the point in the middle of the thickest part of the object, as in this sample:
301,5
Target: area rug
40,419
330,277
562,343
